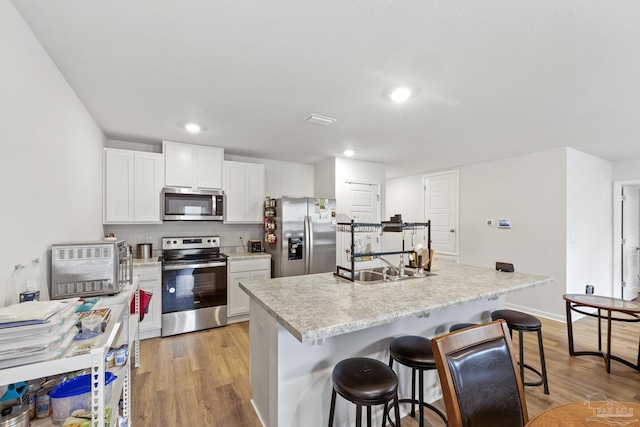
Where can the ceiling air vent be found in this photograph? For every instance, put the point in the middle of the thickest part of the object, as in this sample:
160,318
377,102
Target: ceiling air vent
319,120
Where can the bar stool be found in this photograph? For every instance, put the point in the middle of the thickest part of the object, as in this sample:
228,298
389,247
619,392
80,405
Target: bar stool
523,322
458,326
415,352
365,382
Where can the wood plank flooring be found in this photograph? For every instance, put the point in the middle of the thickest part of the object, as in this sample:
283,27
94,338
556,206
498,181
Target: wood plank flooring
202,378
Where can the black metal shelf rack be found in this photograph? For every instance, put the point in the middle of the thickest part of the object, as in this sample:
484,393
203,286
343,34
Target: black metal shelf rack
360,227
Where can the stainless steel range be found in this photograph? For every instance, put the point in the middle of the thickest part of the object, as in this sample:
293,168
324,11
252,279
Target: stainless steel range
194,284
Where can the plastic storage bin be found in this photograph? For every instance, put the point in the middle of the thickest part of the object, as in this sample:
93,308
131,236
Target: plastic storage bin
75,394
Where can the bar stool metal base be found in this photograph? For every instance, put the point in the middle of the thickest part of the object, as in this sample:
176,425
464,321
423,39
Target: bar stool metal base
415,352
522,322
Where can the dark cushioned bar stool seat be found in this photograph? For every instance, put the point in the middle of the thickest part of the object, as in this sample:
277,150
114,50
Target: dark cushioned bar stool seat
365,382
458,326
415,352
523,322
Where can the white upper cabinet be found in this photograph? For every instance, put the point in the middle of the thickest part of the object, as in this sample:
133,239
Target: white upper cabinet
244,192
178,164
209,167
192,166
133,181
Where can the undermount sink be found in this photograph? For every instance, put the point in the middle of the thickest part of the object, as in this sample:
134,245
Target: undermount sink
368,276
375,275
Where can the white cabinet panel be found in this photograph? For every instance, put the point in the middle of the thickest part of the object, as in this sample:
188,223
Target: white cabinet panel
151,281
209,167
255,193
118,186
132,184
244,192
241,271
238,299
192,166
178,159
148,186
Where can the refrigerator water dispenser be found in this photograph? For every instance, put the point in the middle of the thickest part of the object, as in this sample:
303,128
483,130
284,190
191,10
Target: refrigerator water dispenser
295,247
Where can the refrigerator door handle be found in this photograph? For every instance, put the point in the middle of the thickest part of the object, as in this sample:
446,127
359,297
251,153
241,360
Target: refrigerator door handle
308,231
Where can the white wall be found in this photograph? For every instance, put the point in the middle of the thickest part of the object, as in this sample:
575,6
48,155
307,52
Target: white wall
405,196
325,179
625,170
589,223
50,153
531,191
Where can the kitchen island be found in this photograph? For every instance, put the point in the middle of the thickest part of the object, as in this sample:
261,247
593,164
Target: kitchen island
301,326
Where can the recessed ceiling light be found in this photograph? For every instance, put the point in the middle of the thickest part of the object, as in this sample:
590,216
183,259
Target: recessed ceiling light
400,94
192,127
349,153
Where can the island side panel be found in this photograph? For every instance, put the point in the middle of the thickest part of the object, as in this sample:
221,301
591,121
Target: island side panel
297,389
263,364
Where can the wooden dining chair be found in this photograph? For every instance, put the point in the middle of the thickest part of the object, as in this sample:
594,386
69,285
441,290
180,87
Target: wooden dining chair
479,375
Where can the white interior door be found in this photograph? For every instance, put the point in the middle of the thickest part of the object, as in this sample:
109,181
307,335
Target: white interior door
441,208
630,243
361,201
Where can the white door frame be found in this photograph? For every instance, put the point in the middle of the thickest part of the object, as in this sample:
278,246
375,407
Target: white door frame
617,233
457,221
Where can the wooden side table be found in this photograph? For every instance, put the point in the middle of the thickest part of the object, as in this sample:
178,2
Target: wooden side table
590,413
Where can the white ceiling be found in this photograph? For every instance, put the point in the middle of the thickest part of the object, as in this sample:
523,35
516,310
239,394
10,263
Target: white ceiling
493,78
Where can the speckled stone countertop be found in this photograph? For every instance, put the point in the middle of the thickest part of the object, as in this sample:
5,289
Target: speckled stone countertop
234,253
319,306
145,262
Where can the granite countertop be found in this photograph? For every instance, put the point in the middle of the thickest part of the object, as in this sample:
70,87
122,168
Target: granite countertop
146,262
241,254
318,306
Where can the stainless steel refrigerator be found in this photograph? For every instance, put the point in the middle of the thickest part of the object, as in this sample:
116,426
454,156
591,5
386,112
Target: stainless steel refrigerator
300,238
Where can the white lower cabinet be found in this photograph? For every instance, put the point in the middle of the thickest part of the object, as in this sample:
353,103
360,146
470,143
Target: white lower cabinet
243,270
151,282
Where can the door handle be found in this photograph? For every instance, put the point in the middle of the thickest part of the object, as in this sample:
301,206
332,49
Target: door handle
451,230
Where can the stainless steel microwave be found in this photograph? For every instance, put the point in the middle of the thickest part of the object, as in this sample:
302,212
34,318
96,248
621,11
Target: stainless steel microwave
188,204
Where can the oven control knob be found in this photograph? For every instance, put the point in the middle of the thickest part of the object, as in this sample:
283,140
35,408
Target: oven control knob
168,242
175,242
172,290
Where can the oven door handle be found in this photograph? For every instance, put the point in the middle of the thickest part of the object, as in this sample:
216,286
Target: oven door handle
183,266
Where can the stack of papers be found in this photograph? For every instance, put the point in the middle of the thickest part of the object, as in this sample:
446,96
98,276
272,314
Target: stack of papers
29,313
35,331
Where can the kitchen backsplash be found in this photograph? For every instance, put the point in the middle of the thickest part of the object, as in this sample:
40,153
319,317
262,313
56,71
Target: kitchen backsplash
230,234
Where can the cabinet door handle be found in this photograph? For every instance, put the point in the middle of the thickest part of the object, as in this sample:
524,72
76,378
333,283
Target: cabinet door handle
451,230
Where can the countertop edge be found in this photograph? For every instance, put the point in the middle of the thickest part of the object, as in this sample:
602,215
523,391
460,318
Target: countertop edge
247,255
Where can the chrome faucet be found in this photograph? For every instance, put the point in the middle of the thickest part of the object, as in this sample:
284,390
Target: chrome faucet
386,268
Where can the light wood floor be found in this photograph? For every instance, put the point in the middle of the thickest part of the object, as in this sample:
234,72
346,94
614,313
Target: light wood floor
202,379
